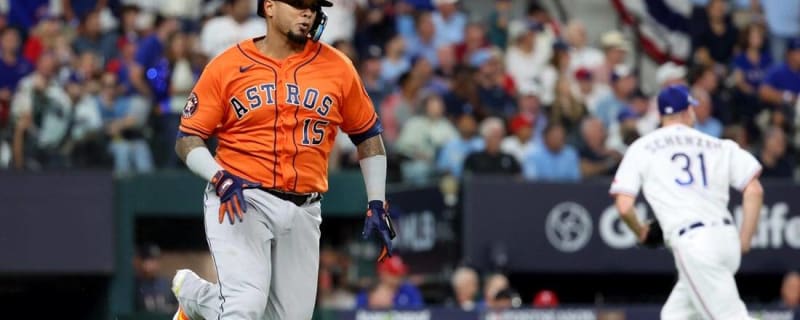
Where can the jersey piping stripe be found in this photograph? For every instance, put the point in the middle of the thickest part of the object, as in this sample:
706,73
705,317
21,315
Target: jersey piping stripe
216,269
296,122
691,285
275,125
369,124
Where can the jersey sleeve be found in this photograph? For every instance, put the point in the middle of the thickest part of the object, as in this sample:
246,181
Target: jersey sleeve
204,107
628,179
744,166
358,114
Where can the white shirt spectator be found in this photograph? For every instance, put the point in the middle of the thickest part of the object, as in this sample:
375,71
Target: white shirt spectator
586,57
222,32
516,148
342,20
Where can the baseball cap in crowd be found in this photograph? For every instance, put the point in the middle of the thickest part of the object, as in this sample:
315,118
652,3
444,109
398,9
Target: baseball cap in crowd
615,40
626,114
583,74
669,71
520,121
393,265
674,99
793,44
560,44
545,299
620,71
440,2
149,251
518,28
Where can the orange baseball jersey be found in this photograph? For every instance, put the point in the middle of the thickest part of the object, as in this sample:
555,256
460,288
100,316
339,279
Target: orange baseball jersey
276,121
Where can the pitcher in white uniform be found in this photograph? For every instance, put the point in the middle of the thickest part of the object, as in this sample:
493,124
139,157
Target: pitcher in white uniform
686,176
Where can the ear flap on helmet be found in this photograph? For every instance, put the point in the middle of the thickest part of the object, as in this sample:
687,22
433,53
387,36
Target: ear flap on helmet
319,26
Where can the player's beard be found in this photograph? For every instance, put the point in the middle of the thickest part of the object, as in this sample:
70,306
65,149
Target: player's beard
296,38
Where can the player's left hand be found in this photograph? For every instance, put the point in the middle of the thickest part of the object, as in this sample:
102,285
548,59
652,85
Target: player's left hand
378,219
230,190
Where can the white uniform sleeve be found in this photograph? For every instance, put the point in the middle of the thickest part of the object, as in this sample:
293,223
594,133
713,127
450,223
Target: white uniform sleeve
628,179
744,166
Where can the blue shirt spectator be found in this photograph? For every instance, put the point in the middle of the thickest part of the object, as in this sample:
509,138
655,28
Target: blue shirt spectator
13,66
423,42
554,160
783,23
26,14
449,30
783,78
451,157
407,296
753,72
710,126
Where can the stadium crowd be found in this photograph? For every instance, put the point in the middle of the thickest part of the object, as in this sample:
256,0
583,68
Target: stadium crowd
102,83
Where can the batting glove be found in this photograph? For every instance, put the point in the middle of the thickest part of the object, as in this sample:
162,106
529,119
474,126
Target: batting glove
378,220
230,190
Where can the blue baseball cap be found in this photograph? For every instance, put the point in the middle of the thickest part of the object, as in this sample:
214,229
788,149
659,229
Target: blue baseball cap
793,43
674,99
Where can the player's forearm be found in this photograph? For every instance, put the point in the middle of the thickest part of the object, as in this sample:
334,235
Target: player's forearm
194,152
752,200
372,159
627,212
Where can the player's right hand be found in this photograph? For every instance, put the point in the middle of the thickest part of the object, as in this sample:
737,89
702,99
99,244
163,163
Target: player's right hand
230,190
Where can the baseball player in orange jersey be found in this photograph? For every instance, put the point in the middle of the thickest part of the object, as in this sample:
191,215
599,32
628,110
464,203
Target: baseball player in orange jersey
275,104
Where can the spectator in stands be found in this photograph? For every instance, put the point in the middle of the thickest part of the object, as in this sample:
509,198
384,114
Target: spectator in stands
180,77
463,95
422,137
596,159
586,90
128,31
705,78
380,297
714,41
451,158
615,49
237,24
583,55
448,66
399,106
13,66
781,85
623,83
423,42
40,110
150,50
492,285
494,90
42,38
776,161
391,278
557,68
370,72
782,24
567,109
465,288
525,58
378,24
554,160
491,160
521,141
505,299
395,62
82,141
474,40
92,38
790,291
749,68
123,123
405,24
704,121
530,107
153,293
343,14
449,22
625,131
498,21
26,14
333,291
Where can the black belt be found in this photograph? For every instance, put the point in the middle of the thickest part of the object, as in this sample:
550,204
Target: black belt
297,199
725,221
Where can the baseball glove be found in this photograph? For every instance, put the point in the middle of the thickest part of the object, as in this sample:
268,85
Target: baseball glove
655,236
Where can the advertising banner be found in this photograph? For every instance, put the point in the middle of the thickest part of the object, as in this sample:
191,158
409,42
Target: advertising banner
575,228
